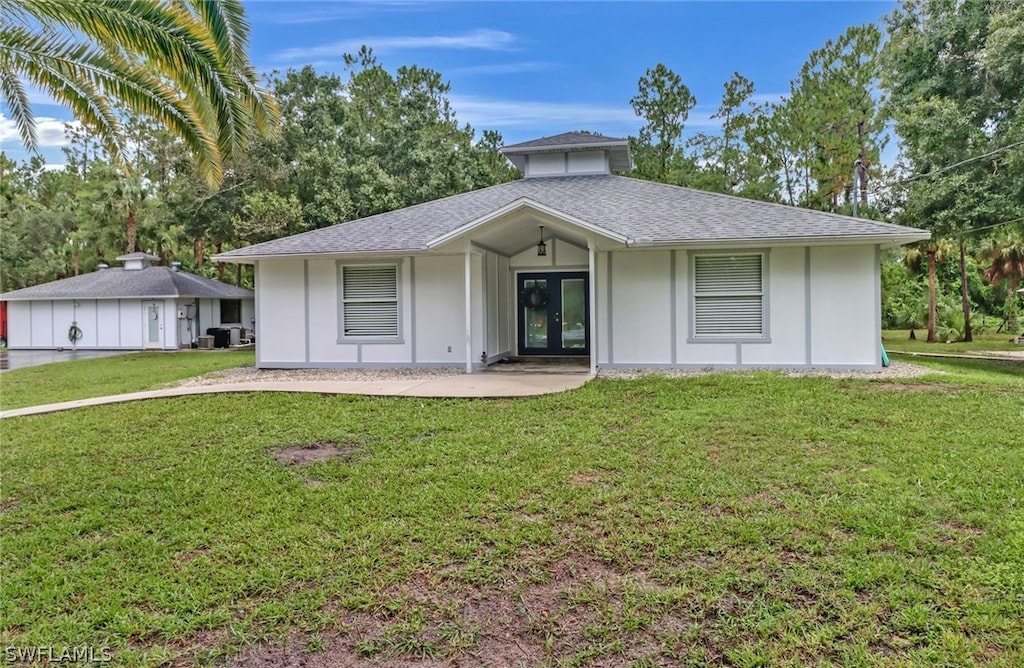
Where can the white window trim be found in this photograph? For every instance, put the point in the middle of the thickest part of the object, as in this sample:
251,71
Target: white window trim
765,335
344,338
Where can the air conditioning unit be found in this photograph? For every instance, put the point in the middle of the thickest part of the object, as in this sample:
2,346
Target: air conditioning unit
204,342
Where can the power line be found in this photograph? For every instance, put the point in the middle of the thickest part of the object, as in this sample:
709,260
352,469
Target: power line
947,168
989,227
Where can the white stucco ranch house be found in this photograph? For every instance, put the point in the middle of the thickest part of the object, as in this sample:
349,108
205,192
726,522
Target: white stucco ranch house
572,260
134,307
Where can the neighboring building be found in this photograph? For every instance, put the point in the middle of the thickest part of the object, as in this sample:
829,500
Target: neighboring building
133,307
630,273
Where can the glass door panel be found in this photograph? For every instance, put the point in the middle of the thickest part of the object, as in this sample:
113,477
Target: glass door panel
574,314
154,323
535,313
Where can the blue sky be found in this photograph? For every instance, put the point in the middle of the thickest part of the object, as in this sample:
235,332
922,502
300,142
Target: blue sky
530,69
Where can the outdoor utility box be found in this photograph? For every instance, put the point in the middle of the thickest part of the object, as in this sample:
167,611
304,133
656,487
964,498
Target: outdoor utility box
204,342
221,336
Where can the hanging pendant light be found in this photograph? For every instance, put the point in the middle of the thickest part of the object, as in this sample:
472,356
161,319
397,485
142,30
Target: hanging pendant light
542,248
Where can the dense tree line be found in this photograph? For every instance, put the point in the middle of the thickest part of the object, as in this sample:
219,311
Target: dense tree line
947,82
346,148
944,79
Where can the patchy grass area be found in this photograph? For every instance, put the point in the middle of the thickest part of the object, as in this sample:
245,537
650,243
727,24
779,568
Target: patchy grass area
899,340
81,379
738,519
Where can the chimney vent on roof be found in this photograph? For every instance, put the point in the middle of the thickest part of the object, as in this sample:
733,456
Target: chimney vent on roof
137,261
175,266
570,154
101,266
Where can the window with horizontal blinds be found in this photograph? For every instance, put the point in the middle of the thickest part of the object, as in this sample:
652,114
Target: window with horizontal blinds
728,295
369,300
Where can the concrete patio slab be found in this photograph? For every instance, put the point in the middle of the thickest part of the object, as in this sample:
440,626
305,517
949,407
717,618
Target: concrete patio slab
20,359
484,386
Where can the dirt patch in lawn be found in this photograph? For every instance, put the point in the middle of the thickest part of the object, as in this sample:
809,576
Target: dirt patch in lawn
956,533
546,613
311,453
587,480
915,387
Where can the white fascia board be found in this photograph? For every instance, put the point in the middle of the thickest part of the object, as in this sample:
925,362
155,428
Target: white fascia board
565,147
524,203
888,240
104,298
328,255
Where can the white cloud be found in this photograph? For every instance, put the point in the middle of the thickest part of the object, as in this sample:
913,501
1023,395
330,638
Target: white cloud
701,119
49,131
349,10
482,39
499,114
505,68
763,98
37,96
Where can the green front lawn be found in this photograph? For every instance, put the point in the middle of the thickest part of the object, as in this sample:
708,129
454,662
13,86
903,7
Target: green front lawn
743,519
133,372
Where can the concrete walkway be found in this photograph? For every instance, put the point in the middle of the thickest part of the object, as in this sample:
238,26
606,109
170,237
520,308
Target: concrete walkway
479,385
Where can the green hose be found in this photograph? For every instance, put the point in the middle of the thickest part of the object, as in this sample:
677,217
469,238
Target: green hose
74,333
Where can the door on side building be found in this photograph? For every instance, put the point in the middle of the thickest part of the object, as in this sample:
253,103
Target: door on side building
152,324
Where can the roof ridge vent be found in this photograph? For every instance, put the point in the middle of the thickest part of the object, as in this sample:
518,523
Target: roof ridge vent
137,261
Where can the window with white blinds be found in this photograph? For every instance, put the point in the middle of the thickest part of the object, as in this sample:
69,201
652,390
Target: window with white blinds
369,301
728,293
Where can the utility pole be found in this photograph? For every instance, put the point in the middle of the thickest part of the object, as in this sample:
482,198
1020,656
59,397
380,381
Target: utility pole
856,179
862,167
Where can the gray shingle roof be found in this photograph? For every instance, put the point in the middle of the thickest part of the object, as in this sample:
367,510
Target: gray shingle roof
564,139
641,210
116,283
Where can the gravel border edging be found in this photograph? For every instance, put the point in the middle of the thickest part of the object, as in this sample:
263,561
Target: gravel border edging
894,370
250,374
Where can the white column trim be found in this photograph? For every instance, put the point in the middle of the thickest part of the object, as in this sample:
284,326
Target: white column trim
469,310
593,306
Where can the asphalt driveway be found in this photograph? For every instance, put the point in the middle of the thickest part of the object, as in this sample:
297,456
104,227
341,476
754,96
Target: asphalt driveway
19,359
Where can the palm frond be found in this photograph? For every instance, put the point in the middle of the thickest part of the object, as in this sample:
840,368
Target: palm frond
75,74
17,102
181,62
33,56
226,23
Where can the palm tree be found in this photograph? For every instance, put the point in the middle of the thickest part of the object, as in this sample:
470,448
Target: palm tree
182,63
935,249
122,199
1006,254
